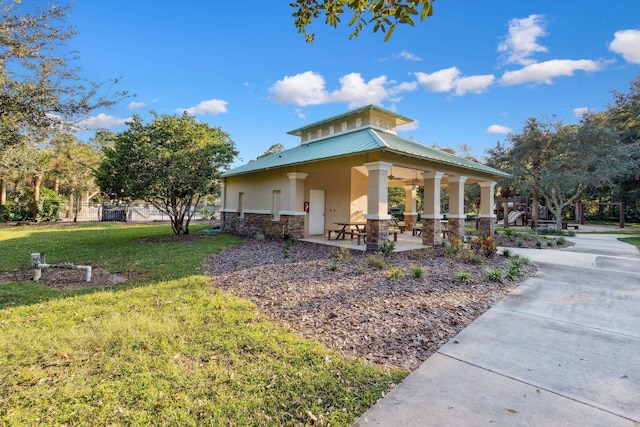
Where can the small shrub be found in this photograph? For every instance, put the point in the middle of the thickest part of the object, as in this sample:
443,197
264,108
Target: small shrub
495,275
506,253
520,243
508,232
361,270
386,248
522,260
395,272
259,236
470,257
376,261
342,254
560,241
571,233
417,271
334,266
450,249
462,276
486,245
550,242
538,244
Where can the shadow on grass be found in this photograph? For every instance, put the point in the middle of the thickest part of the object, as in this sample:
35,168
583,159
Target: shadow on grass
137,251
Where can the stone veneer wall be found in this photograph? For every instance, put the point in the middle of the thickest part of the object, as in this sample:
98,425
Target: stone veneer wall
431,232
410,221
486,226
251,224
456,228
377,232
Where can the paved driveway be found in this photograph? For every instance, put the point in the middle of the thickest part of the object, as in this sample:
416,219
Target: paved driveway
562,349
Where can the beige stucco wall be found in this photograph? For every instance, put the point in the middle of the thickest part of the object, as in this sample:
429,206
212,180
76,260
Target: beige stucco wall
258,191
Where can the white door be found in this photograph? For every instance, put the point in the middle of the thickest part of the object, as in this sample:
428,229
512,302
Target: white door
316,212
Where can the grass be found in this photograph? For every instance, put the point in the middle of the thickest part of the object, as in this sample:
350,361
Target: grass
632,241
167,349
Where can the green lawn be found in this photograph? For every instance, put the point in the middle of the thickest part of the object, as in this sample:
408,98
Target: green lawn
631,240
167,348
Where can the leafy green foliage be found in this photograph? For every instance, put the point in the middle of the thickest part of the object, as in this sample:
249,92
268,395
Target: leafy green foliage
462,276
169,163
417,271
386,248
41,89
385,15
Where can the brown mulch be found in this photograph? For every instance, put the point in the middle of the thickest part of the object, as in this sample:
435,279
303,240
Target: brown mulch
339,298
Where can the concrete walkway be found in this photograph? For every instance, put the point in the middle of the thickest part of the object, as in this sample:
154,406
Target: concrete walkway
562,349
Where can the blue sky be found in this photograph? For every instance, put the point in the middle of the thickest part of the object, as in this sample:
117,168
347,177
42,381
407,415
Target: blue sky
468,75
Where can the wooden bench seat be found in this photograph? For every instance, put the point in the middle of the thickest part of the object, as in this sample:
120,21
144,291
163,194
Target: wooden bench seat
362,236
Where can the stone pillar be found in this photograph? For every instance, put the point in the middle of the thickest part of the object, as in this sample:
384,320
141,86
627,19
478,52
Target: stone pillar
410,207
456,215
431,230
487,218
223,203
296,191
377,204
291,218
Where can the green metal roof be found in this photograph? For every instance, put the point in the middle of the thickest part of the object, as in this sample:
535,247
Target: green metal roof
357,142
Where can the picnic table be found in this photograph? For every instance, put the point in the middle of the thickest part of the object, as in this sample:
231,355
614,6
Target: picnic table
350,228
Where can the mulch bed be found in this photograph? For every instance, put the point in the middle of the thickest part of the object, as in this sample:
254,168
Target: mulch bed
337,297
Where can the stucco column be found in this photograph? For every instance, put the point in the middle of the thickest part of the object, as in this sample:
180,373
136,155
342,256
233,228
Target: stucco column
296,191
377,204
431,230
410,207
223,203
487,218
456,215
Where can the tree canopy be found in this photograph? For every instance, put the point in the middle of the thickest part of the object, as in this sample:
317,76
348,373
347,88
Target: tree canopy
40,91
385,15
169,163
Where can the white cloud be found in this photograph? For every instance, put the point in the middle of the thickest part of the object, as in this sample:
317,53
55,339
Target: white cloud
627,44
357,92
408,56
211,106
521,41
581,111
302,89
101,121
409,126
439,81
134,105
308,88
473,84
450,79
499,129
545,72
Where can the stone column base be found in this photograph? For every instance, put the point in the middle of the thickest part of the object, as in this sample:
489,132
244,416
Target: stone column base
410,221
485,226
431,232
456,228
377,232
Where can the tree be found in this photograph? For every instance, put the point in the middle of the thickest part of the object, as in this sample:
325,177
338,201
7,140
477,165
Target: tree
274,149
72,164
40,91
559,162
169,163
384,14
499,158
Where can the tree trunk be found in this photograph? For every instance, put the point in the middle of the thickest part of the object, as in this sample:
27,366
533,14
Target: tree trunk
3,193
71,203
535,208
56,185
37,181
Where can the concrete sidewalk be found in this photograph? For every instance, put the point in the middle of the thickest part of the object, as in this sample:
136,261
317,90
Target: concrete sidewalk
562,349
